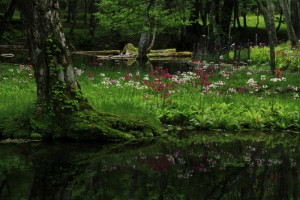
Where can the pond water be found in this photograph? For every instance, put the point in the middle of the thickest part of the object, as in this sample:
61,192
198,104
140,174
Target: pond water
185,166
172,64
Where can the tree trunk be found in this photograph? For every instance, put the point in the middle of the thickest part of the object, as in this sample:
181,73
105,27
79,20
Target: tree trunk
216,29
244,15
286,9
85,11
295,16
7,16
93,10
280,21
152,40
236,15
143,46
204,9
268,13
57,88
227,10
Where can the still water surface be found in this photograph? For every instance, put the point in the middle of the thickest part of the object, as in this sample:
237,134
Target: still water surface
186,166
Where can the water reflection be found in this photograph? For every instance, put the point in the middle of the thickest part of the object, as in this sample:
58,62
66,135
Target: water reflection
196,167
172,64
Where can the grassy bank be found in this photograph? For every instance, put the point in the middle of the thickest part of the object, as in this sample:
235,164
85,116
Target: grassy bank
210,96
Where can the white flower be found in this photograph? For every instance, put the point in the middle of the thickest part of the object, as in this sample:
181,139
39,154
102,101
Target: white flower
78,72
251,81
233,90
275,80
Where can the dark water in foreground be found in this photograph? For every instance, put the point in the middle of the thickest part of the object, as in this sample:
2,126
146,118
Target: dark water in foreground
193,167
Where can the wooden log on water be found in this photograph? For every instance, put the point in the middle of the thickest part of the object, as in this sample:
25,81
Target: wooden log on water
102,57
163,51
7,55
12,47
102,52
115,57
176,54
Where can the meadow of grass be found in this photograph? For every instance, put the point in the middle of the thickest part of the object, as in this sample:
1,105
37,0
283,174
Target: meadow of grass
209,96
286,57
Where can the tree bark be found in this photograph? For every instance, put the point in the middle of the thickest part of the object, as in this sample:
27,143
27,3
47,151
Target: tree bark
152,40
244,15
286,9
295,16
236,15
268,13
57,89
216,29
280,21
93,10
227,10
143,46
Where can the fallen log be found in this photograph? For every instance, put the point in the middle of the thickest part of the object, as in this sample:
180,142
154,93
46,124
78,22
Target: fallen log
12,47
163,51
7,55
102,52
176,54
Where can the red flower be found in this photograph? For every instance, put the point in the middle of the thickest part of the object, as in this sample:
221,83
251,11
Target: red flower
278,73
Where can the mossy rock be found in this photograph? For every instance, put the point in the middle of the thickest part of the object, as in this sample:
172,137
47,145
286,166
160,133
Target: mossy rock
130,49
90,125
87,125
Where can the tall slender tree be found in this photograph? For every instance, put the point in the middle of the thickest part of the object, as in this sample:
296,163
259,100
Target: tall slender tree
295,16
267,9
286,8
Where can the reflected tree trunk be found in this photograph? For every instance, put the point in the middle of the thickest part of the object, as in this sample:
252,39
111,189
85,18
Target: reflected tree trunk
134,183
295,177
284,175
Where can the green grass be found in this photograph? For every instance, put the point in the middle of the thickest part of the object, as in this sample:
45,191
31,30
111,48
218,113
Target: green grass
17,92
229,98
259,56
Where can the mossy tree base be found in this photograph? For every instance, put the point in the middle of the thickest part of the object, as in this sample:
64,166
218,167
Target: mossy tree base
85,125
